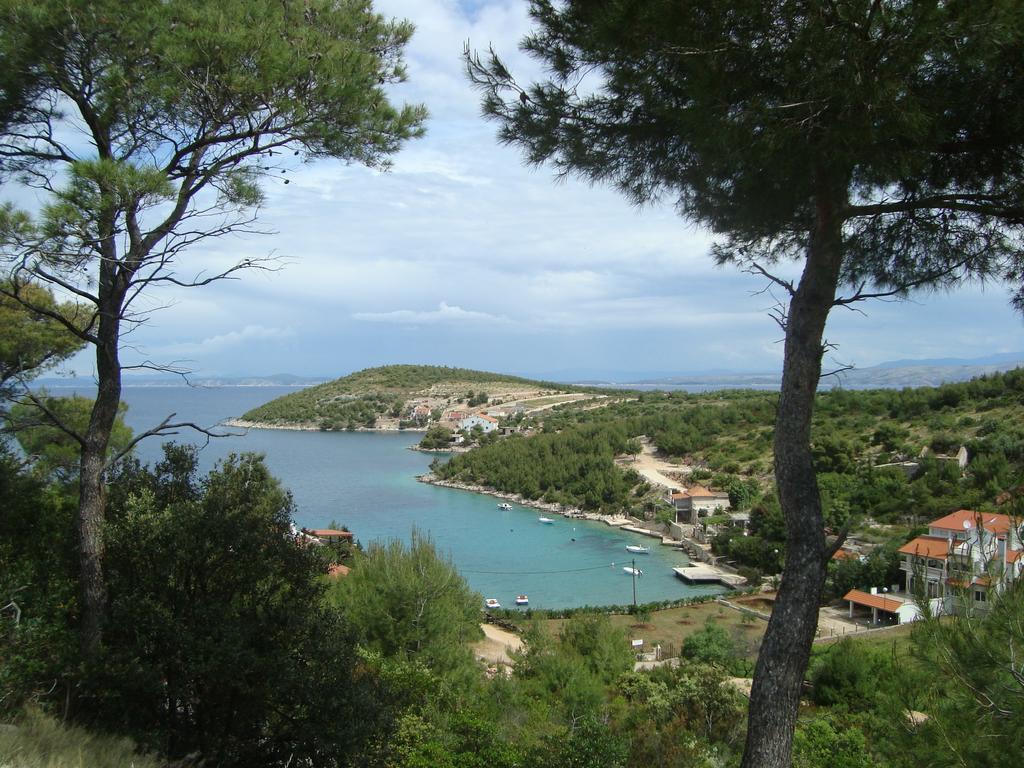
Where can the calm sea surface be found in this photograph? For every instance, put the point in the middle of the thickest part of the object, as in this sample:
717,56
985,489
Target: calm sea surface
366,481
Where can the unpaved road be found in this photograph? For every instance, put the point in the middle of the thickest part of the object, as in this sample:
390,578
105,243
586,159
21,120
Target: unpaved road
652,468
497,645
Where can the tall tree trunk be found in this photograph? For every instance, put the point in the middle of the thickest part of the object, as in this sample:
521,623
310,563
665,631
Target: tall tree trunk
92,499
782,663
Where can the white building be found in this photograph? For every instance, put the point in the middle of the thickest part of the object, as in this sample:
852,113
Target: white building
965,553
482,420
697,501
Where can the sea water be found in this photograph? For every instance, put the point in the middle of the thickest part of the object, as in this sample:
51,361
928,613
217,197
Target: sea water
367,482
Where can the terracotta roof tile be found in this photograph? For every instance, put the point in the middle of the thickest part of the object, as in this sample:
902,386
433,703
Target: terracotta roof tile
328,533
845,554
880,602
955,521
926,546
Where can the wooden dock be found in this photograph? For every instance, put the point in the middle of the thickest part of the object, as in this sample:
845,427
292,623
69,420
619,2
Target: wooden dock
709,574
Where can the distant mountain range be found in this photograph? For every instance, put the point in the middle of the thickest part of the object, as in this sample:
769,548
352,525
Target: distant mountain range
888,375
894,374
274,380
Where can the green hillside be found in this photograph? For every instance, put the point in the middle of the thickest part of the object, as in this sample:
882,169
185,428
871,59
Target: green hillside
726,437
362,398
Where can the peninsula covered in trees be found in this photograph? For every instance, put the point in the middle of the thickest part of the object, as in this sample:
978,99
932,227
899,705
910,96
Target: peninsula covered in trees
395,396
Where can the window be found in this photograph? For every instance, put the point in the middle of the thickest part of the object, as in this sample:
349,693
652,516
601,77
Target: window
980,596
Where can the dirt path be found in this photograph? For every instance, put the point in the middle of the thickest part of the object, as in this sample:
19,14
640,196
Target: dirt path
652,468
497,645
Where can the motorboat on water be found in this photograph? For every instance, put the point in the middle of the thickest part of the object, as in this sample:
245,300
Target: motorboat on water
505,505
522,600
491,603
632,571
545,520
638,549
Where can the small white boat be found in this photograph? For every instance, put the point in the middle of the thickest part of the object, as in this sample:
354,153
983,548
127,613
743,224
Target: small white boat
522,600
638,549
505,505
633,571
491,602
545,520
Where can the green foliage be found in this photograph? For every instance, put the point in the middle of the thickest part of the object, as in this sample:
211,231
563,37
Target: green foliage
589,744
864,106
822,743
436,437
574,669
38,645
713,428
409,602
878,569
32,340
459,740
846,675
218,640
380,389
975,695
682,716
53,451
574,466
710,645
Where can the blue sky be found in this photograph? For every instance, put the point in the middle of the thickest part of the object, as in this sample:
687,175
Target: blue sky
460,255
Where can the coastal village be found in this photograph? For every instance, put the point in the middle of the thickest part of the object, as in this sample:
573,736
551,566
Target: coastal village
964,553
761,548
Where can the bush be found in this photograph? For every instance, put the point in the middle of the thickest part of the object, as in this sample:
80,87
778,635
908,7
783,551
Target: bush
710,645
847,676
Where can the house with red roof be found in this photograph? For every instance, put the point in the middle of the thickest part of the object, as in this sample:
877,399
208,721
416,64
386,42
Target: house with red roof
697,501
966,553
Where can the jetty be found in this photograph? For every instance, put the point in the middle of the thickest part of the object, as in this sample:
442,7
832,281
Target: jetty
709,574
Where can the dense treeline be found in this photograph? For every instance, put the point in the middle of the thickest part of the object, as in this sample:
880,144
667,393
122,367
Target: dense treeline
575,466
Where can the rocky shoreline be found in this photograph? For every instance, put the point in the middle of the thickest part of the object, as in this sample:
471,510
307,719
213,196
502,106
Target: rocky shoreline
310,427
556,509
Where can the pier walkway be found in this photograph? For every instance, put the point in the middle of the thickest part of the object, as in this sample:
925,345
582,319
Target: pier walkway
709,574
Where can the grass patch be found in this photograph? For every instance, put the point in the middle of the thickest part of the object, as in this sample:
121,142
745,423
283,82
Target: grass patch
672,626
39,741
538,402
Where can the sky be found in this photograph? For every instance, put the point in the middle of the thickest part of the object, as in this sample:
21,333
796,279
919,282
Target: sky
461,255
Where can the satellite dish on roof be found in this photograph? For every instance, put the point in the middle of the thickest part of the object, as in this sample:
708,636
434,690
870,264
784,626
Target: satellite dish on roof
967,524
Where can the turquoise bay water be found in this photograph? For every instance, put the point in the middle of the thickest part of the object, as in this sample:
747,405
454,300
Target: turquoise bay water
366,481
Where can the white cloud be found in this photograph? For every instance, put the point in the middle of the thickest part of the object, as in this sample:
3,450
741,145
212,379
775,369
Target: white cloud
443,314
248,335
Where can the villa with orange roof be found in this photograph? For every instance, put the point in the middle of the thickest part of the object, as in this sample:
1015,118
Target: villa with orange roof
964,558
964,553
